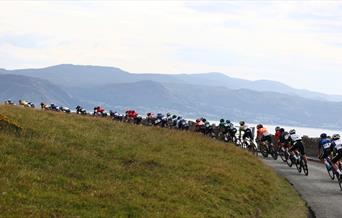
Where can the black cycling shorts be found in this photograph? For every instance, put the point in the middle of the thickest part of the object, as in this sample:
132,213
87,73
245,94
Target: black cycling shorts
326,153
298,146
338,156
267,138
247,134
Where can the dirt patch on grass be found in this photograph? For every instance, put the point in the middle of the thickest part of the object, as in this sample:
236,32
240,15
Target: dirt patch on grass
8,126
150,164
129,162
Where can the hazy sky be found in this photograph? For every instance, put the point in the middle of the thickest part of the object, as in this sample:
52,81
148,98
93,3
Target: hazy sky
298,43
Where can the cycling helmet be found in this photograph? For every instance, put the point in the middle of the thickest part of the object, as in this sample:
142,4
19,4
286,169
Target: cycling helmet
168,114
281,130
336,137
277,128
323,136
242,123
222,121
259,126
292,131
204,120
174,116
227,121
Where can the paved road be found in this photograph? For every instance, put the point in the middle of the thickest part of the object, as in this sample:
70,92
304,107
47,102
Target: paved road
321,193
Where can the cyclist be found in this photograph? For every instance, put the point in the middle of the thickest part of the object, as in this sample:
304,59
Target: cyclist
222,126
296,144
263,135
277,135
324,149
247,132
337,143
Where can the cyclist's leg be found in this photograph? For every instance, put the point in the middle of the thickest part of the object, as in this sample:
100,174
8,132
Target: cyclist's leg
325,157
301,149
292,149
335,161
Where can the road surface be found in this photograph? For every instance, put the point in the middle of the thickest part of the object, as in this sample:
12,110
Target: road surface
322,194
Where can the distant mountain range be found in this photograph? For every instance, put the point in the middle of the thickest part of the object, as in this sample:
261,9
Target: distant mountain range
33,89
69,75
213,95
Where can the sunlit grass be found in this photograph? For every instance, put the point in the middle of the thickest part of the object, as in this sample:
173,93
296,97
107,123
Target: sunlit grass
69,165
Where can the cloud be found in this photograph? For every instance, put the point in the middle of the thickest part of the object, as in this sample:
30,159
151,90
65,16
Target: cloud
27,40
270,40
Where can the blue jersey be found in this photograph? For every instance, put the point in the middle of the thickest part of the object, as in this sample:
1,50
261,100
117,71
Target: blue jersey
324,144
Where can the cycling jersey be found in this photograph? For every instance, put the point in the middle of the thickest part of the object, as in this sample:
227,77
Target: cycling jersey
324,144
297,143
338,147
262,132
337,144
247,134
223,127
277,136
284,138
242,129
295,138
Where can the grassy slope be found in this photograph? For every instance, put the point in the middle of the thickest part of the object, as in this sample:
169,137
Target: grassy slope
67,165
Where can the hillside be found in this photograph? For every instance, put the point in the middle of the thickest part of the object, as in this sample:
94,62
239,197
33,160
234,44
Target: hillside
65,165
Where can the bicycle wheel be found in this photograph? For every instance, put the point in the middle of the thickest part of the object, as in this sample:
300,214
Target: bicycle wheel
263,150
339,178
304,166
244,145
288,160
255,149
340,182
282,155
235,141
251,148
298,166
273,152
331,173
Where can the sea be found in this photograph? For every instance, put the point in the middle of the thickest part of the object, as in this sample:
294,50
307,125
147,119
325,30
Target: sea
303,131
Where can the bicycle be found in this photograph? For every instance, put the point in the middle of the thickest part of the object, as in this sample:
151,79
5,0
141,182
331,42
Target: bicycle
301,163
282,152
334,174
250,146
267,148
288,158
330,169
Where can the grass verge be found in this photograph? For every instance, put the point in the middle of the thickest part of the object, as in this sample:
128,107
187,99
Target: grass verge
65,165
